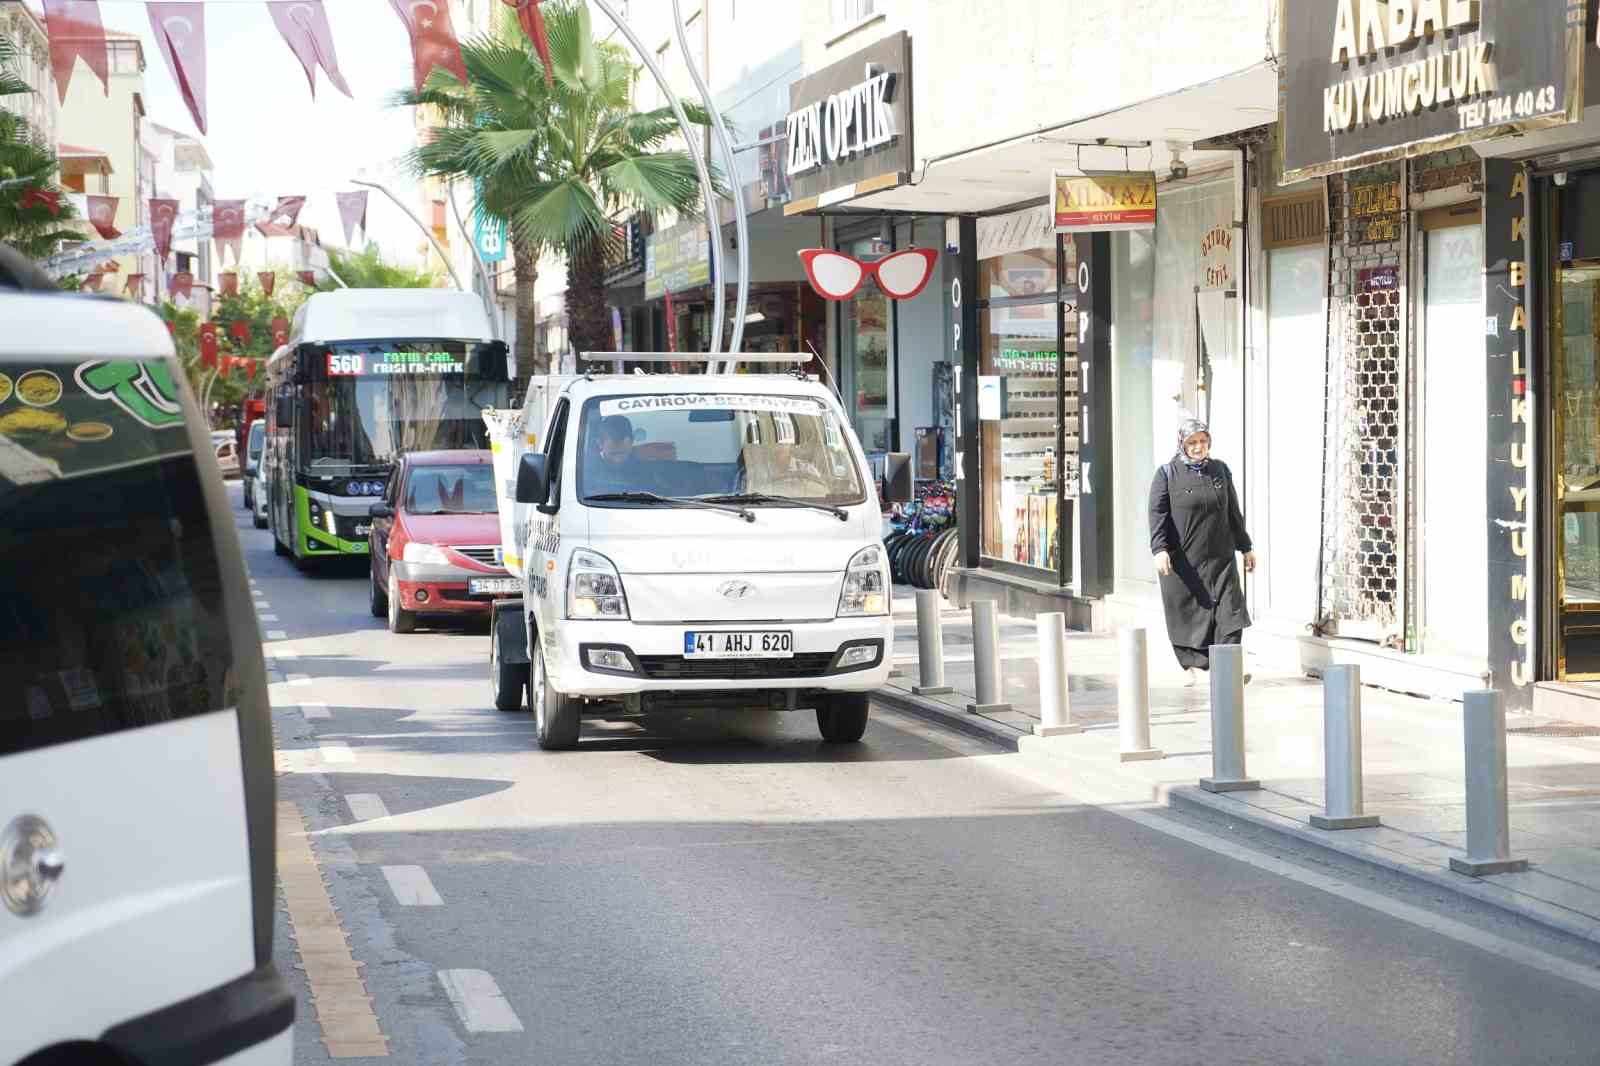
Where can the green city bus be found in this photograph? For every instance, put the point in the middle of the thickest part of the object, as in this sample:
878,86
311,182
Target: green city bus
367,376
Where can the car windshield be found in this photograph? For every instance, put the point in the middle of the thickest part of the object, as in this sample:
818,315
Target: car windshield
789,448
466,488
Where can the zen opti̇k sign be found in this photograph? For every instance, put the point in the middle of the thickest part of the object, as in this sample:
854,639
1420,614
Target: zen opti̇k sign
1364,81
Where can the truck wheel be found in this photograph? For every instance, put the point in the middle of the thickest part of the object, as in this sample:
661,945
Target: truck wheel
555,715
842,717
400,619
509,680
377,599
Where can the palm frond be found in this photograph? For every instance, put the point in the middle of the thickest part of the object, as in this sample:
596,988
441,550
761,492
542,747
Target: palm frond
564,214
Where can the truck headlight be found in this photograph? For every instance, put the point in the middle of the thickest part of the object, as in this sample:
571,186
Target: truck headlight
594,589
866,585
428,554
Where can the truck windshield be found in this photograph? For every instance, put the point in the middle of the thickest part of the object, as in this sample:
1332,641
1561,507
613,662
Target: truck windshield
769,450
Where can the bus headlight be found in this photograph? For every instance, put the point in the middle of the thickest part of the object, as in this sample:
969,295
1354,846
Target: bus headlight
594,589
322,518
866,587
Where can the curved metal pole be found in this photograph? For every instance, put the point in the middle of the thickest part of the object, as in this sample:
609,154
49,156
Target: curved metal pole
477,257
707,190
743,226
335,276
426,232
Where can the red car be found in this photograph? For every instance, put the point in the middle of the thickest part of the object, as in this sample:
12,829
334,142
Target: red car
435,542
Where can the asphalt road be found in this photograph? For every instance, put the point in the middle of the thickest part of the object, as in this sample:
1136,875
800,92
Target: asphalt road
726,889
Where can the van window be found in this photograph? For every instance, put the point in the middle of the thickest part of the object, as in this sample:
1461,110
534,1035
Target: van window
111,602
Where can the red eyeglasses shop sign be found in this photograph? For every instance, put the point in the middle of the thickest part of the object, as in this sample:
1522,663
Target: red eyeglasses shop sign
849,127
1364,80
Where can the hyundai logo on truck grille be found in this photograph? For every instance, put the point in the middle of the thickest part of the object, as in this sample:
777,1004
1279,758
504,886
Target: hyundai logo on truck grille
736,590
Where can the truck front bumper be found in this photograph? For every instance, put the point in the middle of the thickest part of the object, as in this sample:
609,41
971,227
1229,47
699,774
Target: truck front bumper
842,655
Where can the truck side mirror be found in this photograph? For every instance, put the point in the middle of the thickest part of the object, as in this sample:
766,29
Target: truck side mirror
533,479
897,483
494,361
285,412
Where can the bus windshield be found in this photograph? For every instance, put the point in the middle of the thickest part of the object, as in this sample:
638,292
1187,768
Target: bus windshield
371,403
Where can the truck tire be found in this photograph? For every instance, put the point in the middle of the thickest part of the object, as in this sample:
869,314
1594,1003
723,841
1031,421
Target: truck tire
400,619
508,680
842,717
555,716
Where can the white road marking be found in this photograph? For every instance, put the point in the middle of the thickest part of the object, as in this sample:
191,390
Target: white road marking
283,653
336,751
479,1002
277,634
299,679
366,806
411,886
315,710
269,618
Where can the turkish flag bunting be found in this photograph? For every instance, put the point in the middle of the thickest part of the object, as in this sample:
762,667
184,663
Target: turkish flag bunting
180,32
353,212
268,280
227,227
103,216
308,277
230,284
532,20
163,213
76,31
433,40
250,368
181,284
280,223
93,281
241,331
112,267
208,344
134,286
41,197
280,332
304,26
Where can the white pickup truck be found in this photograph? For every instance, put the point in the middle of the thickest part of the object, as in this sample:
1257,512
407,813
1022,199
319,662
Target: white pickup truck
689,540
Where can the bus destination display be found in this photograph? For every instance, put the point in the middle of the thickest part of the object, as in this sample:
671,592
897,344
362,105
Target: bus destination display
361,364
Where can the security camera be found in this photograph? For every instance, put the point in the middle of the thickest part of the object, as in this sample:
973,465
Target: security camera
1180,169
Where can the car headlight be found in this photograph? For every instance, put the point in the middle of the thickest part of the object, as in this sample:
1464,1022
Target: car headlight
416,552
594,589
866,585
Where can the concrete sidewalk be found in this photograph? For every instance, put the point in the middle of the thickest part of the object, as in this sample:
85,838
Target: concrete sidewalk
1413,763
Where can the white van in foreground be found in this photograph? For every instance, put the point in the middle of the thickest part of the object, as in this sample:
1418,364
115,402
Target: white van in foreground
136,777
689,540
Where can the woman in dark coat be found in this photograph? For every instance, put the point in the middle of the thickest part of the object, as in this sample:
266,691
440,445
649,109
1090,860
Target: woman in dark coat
1195,529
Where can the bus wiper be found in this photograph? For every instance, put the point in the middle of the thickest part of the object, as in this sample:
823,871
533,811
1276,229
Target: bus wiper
651,497
793,501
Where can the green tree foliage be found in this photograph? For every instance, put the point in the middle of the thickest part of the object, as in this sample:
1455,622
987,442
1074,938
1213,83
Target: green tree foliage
27,167
367,269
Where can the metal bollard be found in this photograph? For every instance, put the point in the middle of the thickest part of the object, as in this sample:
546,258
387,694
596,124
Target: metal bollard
1133,696
1488,821
930,645
1227,722
986,659
1055,708
1341,751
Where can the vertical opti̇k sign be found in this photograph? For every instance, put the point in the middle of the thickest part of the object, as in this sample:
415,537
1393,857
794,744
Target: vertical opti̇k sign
1510,434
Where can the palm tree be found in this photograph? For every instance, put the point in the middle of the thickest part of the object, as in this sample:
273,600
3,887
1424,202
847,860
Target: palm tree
27,221
561,164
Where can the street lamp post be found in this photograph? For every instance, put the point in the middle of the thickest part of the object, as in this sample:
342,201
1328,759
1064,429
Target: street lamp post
412,215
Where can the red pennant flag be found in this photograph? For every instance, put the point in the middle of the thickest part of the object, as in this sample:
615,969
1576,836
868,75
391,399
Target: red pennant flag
227,227
304,27
181,284
268,280
76,32
103,216
672,324
41,197
134,286
307,277
230,284
208,344
250,368
280,332
280,223
93,281
172,330
241,331
353,212
180,31
433,40
163,213
532,20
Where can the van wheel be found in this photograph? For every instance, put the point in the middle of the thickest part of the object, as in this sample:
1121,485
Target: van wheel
508,680
842,717
400,619
377,599
554,715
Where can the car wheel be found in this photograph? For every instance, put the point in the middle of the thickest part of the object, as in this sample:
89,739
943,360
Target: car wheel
400,619
842,717
555,716
249,504
377,599
509,680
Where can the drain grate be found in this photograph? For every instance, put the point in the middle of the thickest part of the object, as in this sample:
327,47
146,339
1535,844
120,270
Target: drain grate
1555,729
